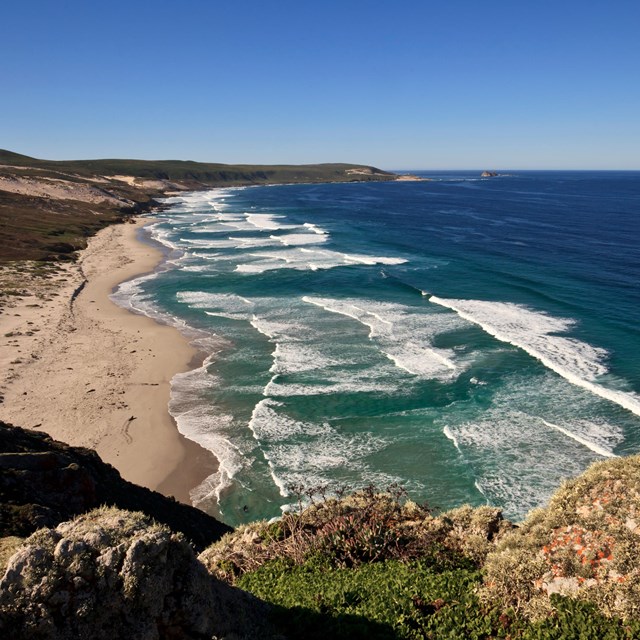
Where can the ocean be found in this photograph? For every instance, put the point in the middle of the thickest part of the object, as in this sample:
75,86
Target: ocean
475,340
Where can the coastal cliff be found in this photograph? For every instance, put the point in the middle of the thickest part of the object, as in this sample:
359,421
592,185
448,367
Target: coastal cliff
370,565
44,482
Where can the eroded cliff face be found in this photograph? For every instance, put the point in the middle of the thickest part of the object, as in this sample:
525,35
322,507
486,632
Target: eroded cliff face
116,574
44,482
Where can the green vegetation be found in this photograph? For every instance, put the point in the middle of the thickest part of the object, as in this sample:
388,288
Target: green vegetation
202,173
375,600
415,600
377,566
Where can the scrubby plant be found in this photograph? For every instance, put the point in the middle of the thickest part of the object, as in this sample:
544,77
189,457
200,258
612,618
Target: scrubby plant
367,526
585,544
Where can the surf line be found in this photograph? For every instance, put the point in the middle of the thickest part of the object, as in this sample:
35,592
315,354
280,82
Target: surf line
601,451
626,401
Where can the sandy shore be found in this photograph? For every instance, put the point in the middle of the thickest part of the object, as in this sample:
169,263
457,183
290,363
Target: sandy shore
92,374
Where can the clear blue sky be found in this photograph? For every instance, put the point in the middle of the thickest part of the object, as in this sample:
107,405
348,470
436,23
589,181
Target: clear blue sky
412,84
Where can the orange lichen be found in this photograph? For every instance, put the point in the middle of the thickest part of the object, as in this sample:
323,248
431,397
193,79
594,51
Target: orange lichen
592,548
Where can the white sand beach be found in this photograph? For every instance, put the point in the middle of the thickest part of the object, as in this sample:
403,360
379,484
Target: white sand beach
92,374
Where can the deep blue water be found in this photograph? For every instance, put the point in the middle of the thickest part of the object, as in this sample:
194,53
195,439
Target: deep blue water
475,340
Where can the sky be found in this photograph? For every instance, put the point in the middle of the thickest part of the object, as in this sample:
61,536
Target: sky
410,85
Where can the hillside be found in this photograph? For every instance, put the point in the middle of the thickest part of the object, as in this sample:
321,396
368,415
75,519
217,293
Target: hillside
370,565
48,208
44,482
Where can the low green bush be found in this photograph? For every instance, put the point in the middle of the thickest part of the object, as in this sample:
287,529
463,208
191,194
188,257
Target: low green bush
409,600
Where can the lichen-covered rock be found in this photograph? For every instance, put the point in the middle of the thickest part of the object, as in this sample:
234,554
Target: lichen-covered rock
585,544
116,574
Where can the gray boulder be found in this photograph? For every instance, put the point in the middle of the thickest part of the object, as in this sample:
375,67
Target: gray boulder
116,574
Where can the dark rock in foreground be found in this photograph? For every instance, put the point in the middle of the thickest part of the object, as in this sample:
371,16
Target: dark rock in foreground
44,482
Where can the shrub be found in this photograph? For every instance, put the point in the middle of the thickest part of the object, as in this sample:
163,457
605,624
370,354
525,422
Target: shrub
585,544
367,526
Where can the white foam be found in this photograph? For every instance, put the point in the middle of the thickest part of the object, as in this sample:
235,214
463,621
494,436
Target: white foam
213,257
450,436
596,448
162,236
309,259
267,222
301,348
294,357
205,425
229,217
267,424
196,269
209,243
520,445
304,452
223,227
203,300
516,461
251,243
404,335
371,260
315,228
300,239
226,305
532,331
131,296
336,384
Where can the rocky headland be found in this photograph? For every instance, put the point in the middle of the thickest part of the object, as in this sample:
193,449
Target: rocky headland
86,554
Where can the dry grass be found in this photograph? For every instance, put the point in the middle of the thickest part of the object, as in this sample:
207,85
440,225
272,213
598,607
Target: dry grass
362,528
8,546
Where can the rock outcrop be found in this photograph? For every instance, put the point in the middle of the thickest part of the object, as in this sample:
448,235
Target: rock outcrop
44,482
116,574
585,544
488,174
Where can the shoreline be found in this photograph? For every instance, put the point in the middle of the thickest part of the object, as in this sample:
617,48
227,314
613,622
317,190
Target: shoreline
105,370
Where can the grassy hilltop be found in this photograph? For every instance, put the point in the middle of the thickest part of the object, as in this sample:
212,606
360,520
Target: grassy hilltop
198,174
49,207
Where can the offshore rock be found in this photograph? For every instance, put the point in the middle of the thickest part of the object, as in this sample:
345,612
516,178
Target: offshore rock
44,482
115,574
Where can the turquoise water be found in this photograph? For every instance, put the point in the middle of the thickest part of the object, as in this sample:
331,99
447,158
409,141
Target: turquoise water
475,340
